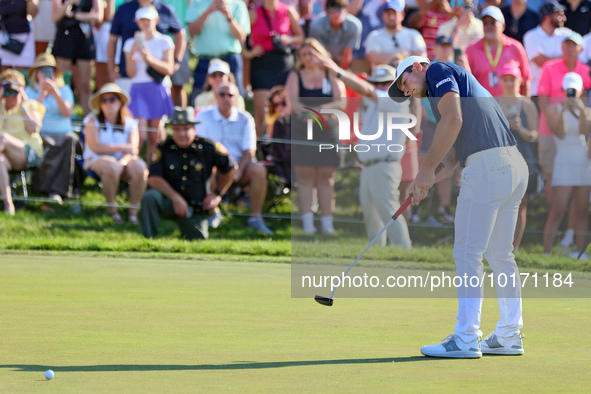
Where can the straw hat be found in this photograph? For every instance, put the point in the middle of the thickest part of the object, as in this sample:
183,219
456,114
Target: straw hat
44,60
110,87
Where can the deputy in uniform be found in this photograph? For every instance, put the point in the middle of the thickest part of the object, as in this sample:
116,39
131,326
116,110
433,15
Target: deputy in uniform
181,166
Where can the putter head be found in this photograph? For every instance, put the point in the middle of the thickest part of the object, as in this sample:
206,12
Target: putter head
323,300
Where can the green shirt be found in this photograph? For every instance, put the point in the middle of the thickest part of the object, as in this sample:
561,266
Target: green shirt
180,7
215,38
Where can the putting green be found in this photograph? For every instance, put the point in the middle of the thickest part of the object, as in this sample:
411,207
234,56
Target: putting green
124,325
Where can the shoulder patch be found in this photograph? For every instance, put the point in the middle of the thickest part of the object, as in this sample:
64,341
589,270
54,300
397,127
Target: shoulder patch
156,155
221,149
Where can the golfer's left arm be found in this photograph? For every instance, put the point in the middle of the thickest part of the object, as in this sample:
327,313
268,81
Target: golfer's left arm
446,133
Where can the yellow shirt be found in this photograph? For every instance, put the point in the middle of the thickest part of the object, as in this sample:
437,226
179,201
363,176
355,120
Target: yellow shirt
11,122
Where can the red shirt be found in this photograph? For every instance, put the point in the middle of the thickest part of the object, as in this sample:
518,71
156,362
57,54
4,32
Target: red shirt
259,31
513,51
550,85
429,26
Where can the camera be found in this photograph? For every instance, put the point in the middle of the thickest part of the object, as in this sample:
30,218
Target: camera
571,92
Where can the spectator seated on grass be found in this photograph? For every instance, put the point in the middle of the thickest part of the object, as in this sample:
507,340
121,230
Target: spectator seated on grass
181,166
57,173
21,146
235,130
112,148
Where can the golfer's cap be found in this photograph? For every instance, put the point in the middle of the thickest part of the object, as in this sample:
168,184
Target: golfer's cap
393,91
574,37
549,8
217,65
572,81
493,12
396,5
510,68
444,40
383,73
148,12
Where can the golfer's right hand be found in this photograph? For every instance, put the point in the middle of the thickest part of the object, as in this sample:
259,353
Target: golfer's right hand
419,188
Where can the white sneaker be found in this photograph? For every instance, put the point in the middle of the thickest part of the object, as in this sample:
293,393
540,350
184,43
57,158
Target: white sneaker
575,255
510,346
453,347
215,219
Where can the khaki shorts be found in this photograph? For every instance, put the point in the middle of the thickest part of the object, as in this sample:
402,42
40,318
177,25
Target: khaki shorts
546,153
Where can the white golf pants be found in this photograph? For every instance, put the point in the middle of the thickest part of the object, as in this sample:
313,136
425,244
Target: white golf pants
493,184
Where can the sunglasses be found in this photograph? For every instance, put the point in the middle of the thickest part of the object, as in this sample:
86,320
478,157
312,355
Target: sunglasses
8,93
454,3
335,9
224,94
279,104
108,99
395,42
217,74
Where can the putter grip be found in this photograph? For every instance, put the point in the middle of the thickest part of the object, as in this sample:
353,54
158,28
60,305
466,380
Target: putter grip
406,202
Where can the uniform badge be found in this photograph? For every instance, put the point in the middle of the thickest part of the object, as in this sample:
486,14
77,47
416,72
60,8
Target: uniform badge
156,155
221,149
198,167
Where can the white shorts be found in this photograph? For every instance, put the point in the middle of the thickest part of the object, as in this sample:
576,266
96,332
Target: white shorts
26,59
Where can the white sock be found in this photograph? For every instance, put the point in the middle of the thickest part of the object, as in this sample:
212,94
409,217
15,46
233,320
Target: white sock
308,222
327,226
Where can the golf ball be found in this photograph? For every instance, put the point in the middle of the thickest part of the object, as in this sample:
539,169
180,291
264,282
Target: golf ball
49,374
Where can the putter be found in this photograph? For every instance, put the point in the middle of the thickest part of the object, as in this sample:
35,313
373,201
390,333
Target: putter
583,250
328,301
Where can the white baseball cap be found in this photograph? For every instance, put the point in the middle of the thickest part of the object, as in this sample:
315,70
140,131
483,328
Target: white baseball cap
572,81
493,12
217,65
393,91
148,12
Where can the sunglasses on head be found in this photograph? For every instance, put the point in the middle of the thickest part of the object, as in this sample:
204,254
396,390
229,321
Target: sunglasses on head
8,93
108,99
224,94
335,9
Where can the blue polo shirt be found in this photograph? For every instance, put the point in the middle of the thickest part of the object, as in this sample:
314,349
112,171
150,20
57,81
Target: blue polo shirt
484,125
124,25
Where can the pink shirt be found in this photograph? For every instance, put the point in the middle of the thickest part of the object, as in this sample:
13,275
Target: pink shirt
429,26
481,68
260,33
551,86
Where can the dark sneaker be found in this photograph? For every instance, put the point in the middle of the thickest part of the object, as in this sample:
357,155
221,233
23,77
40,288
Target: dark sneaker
510,346
453,347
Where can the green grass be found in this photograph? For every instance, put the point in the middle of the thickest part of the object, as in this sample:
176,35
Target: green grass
134,325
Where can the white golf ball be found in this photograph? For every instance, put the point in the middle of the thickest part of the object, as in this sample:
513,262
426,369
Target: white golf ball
49,374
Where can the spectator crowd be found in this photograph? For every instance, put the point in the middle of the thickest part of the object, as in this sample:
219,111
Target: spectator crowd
138,67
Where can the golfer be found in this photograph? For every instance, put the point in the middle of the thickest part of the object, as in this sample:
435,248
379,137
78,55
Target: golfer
473,132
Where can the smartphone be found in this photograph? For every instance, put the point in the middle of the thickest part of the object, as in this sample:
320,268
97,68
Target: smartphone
571,92
139,38
457,54
511,111
48,73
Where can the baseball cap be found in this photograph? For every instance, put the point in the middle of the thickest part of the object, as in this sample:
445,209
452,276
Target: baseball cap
217,65
510,68
493,12
574,37
393,91
383,73
396,5
572,81
148,12
549,8
444,40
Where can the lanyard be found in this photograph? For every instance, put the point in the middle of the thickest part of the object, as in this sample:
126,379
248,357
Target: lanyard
493,63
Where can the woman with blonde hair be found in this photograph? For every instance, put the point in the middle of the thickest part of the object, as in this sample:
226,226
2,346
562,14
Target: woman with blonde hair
20,121
112,148
318,89
56,176
276,107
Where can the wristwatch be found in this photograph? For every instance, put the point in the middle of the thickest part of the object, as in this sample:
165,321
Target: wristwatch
340,73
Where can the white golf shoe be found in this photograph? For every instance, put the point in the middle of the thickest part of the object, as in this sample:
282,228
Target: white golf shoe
510,346
453,347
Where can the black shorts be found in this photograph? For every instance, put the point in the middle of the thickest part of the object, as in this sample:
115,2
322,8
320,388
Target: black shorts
74,45
270,70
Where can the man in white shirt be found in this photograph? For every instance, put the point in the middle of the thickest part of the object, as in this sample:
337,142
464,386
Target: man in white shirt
393,40
545,41
235,130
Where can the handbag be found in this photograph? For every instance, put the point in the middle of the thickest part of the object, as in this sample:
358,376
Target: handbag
278,46
155,75
14,46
